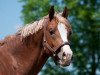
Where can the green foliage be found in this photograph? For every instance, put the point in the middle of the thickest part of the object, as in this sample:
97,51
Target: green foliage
32,9
85,20
35,9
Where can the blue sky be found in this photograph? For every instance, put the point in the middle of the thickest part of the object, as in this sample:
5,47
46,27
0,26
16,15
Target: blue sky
10,13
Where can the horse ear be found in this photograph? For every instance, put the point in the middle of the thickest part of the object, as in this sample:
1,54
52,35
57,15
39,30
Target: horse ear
51,13
65,13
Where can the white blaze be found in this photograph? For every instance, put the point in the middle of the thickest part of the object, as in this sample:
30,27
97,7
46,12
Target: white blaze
66,48
62,31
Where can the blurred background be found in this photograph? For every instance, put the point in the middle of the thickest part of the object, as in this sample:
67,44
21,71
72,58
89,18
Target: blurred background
10,13
84,16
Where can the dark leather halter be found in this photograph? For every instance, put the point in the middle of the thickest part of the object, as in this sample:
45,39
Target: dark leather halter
46,45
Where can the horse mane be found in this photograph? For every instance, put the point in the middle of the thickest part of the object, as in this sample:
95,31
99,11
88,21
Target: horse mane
32,28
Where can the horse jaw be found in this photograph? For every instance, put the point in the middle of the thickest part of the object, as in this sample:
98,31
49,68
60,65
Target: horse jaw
65,56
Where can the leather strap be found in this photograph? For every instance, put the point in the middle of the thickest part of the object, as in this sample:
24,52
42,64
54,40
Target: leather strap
46,45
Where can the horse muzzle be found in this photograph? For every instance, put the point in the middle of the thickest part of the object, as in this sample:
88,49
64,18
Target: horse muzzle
65,56
64,62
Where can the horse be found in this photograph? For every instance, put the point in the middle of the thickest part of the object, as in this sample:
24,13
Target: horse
26,51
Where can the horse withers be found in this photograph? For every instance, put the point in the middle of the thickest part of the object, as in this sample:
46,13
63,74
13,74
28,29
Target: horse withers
25,52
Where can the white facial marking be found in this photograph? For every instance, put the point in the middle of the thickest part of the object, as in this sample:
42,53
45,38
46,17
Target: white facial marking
62,31
66,48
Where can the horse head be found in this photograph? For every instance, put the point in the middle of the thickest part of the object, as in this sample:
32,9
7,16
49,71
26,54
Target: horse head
57,34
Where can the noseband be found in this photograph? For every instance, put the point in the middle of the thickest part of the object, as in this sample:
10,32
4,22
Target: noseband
55,49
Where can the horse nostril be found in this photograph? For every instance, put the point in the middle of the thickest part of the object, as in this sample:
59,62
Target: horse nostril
64,54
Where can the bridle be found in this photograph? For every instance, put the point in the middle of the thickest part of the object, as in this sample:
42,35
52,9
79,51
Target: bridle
47,46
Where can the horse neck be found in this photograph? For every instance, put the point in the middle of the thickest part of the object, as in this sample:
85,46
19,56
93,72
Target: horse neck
31,56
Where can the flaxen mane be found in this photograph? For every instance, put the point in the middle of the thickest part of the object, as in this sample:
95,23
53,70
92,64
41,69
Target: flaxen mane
32,28
37,25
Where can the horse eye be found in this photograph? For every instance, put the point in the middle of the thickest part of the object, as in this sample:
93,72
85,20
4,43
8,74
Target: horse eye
51,31
70,33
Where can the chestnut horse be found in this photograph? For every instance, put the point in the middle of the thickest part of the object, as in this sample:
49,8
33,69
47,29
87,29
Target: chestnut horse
25,52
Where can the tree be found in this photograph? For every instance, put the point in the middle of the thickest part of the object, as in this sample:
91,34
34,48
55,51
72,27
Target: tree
85,20
86,40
